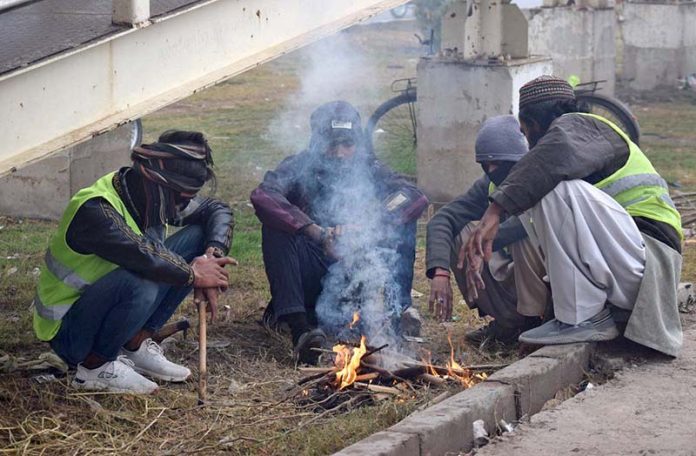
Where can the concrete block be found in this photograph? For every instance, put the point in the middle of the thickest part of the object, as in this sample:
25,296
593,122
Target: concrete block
43,188
454,98
538,377
659,43
385,443
580,42
447,427
40,190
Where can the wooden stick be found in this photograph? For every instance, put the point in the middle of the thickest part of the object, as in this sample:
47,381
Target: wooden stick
378,388
367,377
375,350
316,370
442,370
431,379
202,353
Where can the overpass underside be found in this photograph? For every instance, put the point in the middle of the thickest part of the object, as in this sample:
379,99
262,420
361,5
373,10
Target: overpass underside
67,73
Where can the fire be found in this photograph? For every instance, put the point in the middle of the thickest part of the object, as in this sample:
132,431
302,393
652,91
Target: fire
348,359
356,318
456,371
429,365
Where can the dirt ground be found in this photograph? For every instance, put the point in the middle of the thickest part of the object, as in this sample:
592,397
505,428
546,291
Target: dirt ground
648,409
253,121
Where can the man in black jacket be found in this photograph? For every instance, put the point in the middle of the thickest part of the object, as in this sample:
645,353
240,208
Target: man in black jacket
602,216
334,201
112,278
515,294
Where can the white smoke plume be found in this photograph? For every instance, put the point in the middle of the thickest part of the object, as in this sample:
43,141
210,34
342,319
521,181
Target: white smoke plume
363,280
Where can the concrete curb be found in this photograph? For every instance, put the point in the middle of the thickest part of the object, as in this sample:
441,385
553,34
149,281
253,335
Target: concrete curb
520,389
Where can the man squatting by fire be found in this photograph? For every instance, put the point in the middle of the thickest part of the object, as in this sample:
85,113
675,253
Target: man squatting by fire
302,207
515,294
111,279
602,219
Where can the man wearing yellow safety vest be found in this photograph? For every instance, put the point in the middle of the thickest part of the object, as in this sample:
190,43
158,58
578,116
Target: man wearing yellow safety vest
111,279
602,218
515,294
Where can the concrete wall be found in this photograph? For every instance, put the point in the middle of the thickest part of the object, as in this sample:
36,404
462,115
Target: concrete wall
659,43
43,188
579,41
454,99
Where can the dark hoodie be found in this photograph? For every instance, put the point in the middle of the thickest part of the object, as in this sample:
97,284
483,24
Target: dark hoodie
294,195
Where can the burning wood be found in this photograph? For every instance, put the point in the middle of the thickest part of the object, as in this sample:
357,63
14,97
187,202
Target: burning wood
360,370
348,359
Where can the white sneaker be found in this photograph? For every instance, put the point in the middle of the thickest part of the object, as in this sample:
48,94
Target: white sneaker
117,376
149,360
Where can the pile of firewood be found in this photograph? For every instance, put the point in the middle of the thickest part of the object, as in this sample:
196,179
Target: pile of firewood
370,381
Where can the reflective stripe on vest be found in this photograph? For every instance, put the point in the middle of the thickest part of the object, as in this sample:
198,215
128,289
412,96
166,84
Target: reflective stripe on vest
64,274
67,273
53,313
638,187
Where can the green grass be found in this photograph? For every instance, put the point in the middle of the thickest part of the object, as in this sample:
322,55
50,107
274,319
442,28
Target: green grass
252,122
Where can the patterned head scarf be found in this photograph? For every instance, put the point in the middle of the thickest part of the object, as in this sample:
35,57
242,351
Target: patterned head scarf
545,88
173,169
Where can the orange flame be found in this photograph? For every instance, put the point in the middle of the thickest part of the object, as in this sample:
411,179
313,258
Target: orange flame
456,371
356,318
349,360
427,360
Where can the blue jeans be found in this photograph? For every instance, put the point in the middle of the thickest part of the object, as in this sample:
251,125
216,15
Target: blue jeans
116,307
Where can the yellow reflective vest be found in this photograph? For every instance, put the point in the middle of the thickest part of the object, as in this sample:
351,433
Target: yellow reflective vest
66,273
636,186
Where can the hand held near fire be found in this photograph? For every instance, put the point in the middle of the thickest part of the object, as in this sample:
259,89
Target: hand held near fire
440,301
481,240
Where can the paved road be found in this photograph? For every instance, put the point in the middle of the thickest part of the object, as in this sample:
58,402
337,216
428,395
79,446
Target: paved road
648,409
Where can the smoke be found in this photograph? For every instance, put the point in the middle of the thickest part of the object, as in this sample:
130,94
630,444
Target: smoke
332,69
364,279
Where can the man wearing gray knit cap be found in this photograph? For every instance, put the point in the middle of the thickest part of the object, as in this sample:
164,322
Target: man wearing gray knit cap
515,294
603,217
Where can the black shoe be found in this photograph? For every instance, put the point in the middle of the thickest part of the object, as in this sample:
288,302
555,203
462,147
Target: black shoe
269,321
303,352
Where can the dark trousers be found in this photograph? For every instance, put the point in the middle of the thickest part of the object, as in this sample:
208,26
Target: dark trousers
116,307
295,266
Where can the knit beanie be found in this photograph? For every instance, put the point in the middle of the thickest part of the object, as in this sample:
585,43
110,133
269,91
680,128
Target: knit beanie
545,88
500,139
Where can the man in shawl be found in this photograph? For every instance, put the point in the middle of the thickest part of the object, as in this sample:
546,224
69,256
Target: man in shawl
111,278
602,218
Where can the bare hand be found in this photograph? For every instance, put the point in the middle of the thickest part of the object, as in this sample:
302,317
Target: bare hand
480,242
474,281
209,272
440,301
329,243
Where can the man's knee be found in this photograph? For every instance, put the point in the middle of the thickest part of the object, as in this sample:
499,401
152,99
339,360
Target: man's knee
141,293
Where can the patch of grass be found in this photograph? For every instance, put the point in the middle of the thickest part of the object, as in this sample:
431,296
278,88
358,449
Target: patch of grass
252,122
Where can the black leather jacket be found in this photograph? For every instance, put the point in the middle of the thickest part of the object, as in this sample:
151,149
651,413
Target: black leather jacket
99,229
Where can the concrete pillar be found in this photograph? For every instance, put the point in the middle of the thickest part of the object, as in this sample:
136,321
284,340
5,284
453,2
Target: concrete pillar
43,188
580,41
479,74
659,43
130,12
454,98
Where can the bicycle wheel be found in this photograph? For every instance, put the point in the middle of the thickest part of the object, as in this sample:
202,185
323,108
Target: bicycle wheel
613,110
392,130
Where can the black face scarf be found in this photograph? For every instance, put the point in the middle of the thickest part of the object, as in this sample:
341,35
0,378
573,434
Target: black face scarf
168,171
501,172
